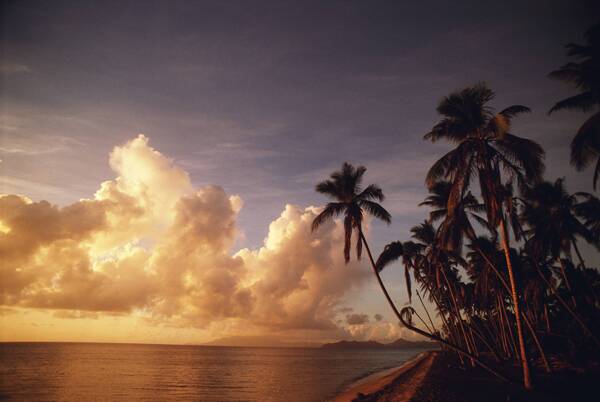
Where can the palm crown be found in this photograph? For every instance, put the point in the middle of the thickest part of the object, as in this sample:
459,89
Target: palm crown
549,212
485,148
584,74
351,200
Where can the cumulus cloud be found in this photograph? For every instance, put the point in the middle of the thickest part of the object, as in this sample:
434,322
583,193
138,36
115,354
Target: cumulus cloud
357,319
382,331
151,244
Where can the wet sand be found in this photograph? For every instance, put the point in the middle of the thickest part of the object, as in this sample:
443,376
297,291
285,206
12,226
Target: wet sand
398,384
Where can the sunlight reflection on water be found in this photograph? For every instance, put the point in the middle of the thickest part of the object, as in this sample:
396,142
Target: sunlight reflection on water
62,371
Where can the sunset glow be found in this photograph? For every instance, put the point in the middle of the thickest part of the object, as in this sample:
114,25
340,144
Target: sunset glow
150,258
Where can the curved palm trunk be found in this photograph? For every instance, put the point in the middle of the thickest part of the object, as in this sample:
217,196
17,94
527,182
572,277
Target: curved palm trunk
546,318
501,330
509,331
451,330
426,311
457,312
381,285
538,344
506,331
454,348
513,287
562,301
481,337
527,323
581,261
563,271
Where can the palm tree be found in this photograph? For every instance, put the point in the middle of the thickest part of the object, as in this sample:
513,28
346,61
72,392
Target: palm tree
454,227
549,212
352,201
485,149
585,75
589,211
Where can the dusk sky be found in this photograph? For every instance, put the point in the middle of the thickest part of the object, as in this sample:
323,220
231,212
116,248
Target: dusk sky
198,228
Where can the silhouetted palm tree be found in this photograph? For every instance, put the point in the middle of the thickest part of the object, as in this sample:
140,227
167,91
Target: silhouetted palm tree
589,211
549,212
486,149
454,227
584,74
352,201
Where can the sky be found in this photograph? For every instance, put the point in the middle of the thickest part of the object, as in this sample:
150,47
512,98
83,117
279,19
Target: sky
162,156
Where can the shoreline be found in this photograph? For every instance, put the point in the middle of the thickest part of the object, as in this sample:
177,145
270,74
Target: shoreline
411,374
438,376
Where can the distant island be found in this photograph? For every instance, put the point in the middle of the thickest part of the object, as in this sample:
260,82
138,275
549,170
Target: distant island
397,344
275,342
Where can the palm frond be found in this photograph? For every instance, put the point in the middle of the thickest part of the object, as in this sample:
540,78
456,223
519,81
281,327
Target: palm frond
514,110
371,192
331,210
437,214
328,188
584,101
483,222
454,161
424,232
585,146
376,210
523,152
570,72
390,253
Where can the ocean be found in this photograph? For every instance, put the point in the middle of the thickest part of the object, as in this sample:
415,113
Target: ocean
127,372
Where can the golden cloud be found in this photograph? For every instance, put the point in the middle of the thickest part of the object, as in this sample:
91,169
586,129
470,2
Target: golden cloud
150,244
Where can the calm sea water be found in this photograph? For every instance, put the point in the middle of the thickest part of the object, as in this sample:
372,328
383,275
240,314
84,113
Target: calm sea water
110,372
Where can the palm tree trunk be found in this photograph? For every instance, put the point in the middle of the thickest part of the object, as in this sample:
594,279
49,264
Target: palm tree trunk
566,305
509,330
557,295
563,271
472,339
505,341
578,254
457,312
529,326
538,344
455,348
501,331
451,330
381,285
481,337
426,311
513,285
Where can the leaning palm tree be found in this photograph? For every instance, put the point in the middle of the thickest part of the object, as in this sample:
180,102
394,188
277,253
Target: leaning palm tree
585,75
487,150
352,201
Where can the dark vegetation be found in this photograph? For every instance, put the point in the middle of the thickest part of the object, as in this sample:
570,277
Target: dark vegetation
499,256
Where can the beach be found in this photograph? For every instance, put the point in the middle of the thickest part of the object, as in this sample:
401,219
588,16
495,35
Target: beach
398,384
436,376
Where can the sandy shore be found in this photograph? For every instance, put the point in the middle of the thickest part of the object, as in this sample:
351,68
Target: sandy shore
398,384
437,376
